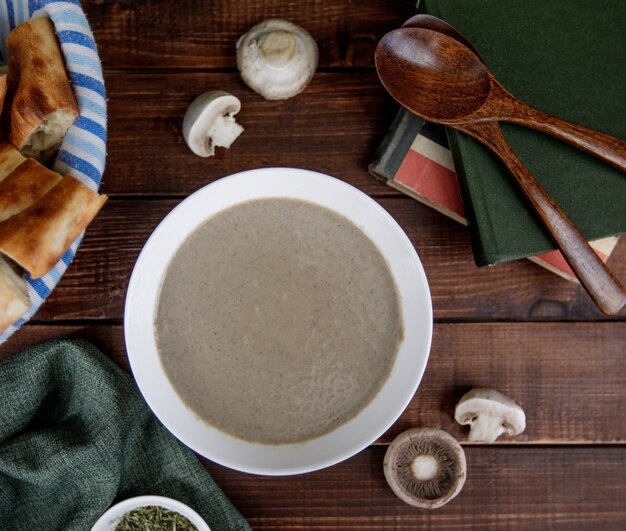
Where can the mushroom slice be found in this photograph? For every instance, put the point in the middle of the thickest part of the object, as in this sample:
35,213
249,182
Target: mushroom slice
277,59
425,467
490,414
210,121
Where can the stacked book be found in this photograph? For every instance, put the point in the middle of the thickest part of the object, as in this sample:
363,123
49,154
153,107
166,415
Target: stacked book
552,56
415,159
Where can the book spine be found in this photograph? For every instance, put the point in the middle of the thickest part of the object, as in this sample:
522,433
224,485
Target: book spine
480,257
391,152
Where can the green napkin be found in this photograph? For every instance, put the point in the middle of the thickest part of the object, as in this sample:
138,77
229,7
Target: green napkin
76,437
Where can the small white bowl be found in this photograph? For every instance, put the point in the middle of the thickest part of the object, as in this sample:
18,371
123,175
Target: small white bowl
346,440
109,520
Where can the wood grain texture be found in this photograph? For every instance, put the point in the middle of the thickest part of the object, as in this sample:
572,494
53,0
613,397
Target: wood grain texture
429,22
431,68
567,370
441,79
506,488
594,275
569,377
334,127
94,286
202,34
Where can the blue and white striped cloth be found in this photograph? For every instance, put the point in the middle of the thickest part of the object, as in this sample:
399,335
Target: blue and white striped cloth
83,151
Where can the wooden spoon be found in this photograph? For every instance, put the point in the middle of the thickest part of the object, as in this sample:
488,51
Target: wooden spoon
504,107
441,80
537,119
429,22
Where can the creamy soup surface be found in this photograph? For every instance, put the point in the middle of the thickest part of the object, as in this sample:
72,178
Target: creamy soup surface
278,321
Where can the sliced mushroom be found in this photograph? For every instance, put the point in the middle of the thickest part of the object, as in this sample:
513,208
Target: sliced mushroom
277,59
490,414
425,467
210,121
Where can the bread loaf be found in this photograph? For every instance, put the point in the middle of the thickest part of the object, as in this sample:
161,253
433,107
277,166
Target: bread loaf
14,300
39,236
43,106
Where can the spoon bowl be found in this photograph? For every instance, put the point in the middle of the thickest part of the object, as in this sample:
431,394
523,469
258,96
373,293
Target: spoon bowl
432,74
425,21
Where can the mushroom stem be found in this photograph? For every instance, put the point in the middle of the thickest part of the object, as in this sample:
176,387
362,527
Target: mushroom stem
424,467
278,47
486,428
225,131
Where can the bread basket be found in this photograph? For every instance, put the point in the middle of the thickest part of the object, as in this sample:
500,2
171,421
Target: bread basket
83,151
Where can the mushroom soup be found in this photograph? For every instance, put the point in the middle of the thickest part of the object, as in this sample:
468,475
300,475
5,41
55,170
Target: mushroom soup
278,321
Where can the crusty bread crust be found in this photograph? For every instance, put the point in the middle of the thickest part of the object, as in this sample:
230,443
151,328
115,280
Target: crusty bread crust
10,158
37,237
3,89
24,186
14,300
43,88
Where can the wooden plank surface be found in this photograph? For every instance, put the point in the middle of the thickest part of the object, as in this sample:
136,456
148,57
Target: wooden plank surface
526,488
202,34
94,286
334,127
569,377
515,327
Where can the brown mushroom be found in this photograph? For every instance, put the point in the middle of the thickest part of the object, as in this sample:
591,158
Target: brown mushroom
425,467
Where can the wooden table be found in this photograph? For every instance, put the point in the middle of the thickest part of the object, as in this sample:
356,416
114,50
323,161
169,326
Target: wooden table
514,327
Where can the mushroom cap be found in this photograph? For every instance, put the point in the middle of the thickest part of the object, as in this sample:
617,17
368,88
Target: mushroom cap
208,112
425,467
489,402
277,58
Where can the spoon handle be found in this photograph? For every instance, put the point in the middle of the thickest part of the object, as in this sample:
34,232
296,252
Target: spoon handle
596,278
607,148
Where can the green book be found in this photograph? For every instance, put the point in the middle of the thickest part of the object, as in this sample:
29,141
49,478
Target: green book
567,59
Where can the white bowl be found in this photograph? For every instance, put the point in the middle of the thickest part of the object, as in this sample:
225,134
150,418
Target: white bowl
348,439
112,517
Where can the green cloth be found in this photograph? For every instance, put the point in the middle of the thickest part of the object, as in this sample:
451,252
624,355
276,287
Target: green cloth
76,437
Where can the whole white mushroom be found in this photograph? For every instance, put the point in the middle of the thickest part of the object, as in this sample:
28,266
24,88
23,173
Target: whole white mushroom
277,58
490,414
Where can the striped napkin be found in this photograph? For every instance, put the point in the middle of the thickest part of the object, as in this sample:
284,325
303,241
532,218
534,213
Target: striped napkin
83,151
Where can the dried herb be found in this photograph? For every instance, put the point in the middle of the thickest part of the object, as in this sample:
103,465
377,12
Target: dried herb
154,518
